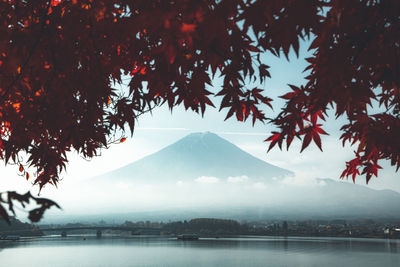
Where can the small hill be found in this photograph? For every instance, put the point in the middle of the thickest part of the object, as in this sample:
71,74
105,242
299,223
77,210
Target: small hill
18,228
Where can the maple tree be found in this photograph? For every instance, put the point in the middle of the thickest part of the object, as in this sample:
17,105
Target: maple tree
60,60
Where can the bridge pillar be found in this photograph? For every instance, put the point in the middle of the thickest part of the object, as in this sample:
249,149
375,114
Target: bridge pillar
98,233
64,234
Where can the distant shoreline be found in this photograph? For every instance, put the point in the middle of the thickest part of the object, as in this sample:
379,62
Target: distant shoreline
173,237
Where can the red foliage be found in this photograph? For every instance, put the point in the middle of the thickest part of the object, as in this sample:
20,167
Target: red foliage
355,62
60,59
34,215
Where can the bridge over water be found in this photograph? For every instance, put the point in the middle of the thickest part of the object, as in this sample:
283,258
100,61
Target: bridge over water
100,229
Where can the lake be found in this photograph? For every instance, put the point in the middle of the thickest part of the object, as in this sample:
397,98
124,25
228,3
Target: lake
162,251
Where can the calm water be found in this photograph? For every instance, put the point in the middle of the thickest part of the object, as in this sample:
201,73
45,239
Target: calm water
142,251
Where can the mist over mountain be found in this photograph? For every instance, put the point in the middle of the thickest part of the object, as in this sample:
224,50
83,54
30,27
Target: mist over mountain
204,175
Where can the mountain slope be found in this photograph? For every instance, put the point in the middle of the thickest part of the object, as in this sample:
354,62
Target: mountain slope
198,154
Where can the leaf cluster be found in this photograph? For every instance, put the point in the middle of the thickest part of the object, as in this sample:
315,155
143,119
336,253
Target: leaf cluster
35,214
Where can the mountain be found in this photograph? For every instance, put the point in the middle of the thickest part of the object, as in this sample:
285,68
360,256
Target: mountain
204,175
196,155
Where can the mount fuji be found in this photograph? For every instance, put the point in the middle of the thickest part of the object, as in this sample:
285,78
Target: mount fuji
198,154
208,175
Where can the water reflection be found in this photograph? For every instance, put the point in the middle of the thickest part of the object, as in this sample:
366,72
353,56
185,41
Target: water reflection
393,247
162,251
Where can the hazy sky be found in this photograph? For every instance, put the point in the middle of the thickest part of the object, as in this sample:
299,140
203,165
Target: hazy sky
157,130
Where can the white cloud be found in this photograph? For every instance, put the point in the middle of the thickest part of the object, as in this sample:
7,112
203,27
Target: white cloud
259,185
207,180
238,179
303,179
124,186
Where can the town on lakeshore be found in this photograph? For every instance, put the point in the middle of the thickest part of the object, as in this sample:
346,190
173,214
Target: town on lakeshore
210,227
